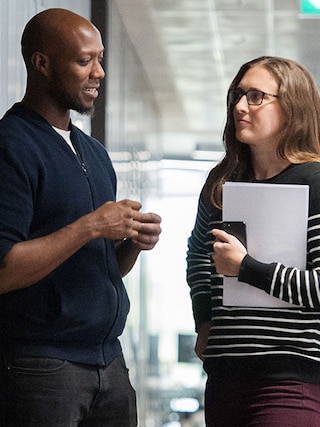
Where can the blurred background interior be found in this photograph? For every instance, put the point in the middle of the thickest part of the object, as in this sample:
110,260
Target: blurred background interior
160,114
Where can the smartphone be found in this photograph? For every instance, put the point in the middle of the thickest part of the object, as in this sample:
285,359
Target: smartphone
236,228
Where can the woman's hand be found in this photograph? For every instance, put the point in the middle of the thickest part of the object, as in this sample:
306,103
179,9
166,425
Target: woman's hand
228,253
202,340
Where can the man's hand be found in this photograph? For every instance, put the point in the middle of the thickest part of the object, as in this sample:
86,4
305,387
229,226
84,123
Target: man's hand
116,220
149,232
145,239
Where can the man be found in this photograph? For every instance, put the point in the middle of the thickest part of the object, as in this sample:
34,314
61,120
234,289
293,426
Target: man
65,242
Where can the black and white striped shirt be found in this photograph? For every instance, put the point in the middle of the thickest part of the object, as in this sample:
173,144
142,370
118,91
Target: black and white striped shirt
251,333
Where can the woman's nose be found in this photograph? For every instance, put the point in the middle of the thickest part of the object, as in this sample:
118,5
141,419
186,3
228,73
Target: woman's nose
242,104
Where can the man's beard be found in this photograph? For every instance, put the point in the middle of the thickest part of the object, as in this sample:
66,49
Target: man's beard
74,104
70,103
84,111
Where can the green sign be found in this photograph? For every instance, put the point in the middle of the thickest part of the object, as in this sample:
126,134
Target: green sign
310,7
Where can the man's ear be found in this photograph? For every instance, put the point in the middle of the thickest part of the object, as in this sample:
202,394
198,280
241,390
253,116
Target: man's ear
40,62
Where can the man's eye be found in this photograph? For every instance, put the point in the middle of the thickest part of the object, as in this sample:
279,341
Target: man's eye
84,61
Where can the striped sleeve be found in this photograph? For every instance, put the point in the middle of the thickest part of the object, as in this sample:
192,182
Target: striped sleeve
200,274
298,287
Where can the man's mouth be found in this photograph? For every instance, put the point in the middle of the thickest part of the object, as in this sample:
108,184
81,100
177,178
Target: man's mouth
91,89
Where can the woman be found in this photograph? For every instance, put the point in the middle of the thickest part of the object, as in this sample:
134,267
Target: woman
263,364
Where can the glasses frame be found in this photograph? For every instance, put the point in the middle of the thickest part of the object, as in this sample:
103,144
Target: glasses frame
242,93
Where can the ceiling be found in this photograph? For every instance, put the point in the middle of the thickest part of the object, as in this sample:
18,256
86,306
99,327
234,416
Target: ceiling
191,50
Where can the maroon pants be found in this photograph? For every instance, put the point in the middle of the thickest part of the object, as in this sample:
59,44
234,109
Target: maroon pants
280,404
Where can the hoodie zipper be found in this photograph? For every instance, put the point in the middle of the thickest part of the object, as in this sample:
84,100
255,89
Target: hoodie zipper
82,163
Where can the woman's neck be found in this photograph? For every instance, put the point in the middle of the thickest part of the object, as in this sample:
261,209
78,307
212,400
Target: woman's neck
266,166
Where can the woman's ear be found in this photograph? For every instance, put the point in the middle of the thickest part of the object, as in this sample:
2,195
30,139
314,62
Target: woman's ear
40,63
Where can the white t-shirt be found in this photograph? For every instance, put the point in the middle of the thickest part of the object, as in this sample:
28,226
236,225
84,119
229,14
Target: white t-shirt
66,136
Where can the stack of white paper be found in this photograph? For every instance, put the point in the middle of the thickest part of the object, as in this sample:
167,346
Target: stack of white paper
276,218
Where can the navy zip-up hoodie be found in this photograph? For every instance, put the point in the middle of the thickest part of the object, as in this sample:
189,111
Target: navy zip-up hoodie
78,311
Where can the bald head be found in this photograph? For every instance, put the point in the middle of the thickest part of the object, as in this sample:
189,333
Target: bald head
52,29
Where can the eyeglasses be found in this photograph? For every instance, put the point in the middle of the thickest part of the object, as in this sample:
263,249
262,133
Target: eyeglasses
254,97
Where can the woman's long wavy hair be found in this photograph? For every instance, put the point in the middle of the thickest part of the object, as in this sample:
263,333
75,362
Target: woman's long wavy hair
299,139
